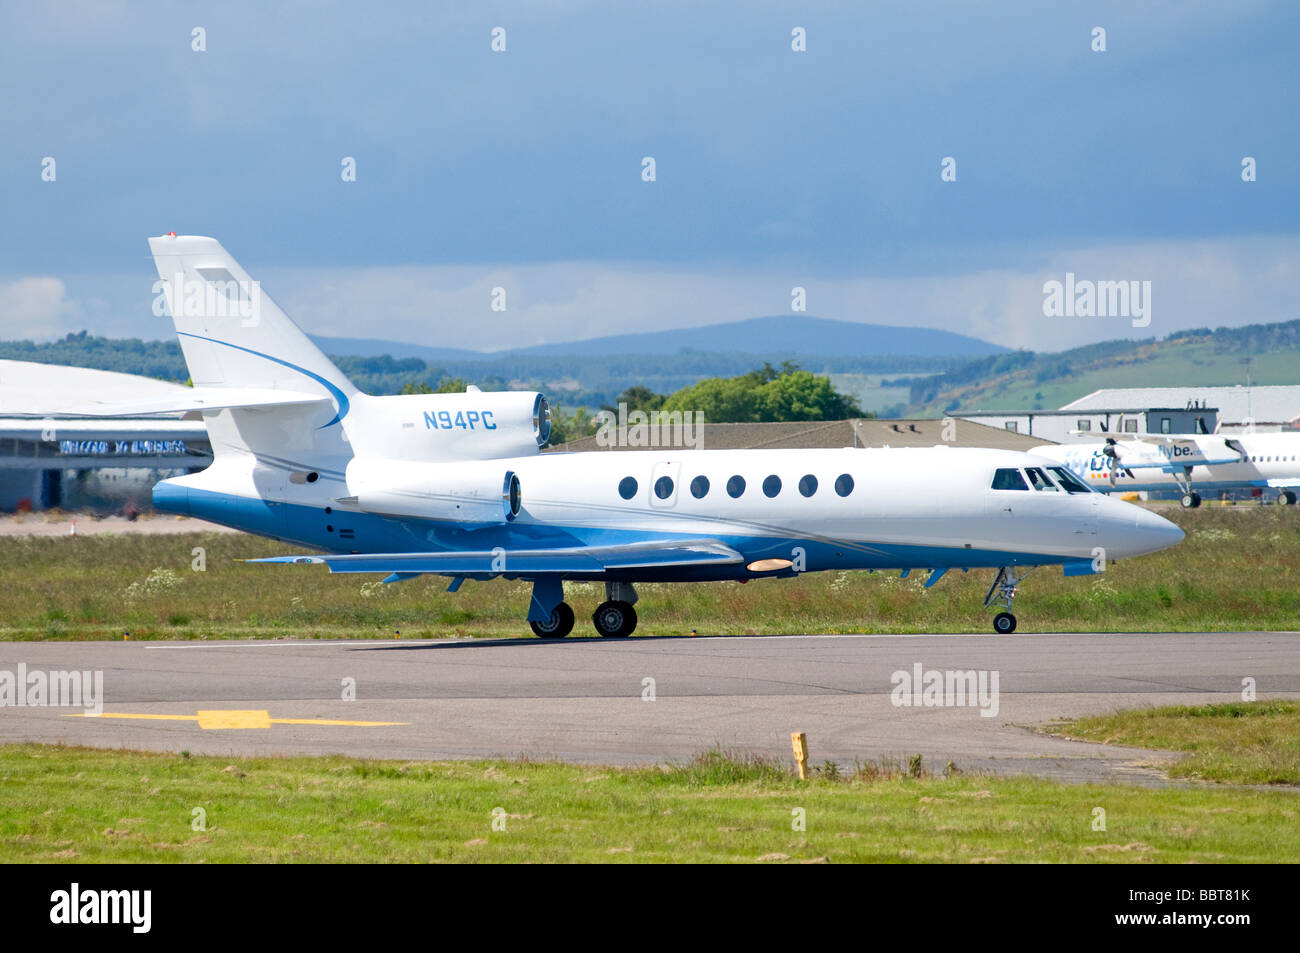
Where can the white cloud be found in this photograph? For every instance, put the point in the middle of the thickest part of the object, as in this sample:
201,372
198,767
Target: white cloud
1194,283
35,308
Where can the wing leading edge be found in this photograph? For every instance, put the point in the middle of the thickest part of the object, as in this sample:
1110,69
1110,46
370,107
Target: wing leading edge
530,562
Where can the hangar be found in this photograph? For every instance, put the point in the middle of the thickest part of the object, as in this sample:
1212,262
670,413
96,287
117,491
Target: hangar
49,457
816,434
1158,410
1263,408
1058,426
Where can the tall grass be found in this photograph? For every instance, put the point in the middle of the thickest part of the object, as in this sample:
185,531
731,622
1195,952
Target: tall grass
1238,569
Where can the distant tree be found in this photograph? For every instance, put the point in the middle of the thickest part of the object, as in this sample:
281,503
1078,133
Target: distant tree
638,397
769,393
571,425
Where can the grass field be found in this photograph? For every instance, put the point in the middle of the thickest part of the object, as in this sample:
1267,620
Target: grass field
1238,569
1247,742
81,805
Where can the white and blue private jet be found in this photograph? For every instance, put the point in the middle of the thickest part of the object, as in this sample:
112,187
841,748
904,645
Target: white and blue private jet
456,485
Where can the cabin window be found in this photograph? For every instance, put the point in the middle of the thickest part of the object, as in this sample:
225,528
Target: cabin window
1068,480
735,486
664,487
627,487
1083,425
700,487
1038,479
808,484
772,486
1008,478
844,484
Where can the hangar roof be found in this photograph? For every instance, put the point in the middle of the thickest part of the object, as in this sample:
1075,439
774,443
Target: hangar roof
1264,404
839,433
35,390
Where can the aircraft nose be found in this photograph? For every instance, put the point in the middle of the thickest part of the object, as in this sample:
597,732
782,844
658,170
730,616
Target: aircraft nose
1149,533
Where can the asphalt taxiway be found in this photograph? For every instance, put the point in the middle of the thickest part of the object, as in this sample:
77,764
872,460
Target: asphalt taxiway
648,699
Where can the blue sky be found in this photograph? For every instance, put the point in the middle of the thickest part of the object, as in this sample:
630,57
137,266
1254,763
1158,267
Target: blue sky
522,169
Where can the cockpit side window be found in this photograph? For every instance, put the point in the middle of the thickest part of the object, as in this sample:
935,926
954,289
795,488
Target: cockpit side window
1008,478
1038,479
1068,480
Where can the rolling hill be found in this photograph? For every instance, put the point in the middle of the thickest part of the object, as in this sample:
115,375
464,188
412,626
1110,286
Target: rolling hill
1024,380
794,336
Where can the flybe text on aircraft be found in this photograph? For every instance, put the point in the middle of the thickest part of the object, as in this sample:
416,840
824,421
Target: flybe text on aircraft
1190,463
455,485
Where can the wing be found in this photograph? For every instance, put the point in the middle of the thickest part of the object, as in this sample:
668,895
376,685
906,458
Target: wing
1194,455
530,562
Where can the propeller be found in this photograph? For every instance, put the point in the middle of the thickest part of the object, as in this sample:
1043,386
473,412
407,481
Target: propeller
1110,452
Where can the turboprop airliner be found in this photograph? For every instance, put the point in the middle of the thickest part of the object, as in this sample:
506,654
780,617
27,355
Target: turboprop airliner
1186,462
456,485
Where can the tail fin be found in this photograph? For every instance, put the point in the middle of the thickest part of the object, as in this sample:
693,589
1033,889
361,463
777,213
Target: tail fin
238,342
231,332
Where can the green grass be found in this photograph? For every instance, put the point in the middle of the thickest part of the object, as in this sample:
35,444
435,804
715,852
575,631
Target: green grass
1238,569
83,805
1246,742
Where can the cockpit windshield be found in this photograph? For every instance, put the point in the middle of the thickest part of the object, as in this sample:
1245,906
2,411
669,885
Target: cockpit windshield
1008,478
1068,480
1039,480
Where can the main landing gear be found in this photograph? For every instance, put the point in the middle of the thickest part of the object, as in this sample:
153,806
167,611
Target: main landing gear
1190,498
1003,593
614,618
1286,498
557,626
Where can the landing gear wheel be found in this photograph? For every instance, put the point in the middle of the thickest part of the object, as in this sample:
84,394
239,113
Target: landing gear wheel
1004,623
614,619
558,626
1191,500
1286,498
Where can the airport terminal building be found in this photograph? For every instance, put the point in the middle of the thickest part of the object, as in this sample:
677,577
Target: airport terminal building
50,457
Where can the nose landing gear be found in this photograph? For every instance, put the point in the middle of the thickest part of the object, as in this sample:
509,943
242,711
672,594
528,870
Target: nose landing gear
1003,593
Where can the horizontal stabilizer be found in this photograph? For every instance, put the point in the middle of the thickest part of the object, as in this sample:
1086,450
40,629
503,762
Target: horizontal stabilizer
531,562
197,398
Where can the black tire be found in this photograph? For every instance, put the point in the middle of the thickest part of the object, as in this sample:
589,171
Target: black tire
1004,623
1286,498
560,624
614,619
1191,501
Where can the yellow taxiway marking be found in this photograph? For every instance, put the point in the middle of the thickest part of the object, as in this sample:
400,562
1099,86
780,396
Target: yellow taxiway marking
231,720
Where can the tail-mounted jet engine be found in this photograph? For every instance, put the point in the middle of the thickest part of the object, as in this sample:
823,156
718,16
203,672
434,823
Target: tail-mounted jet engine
477,491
